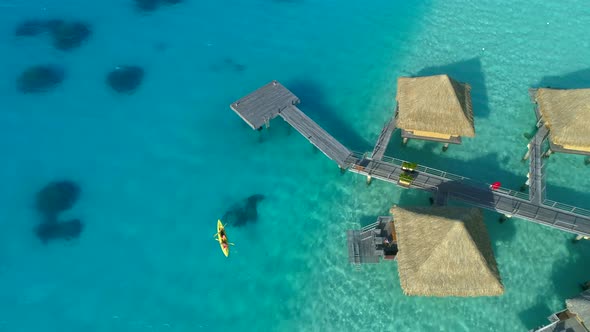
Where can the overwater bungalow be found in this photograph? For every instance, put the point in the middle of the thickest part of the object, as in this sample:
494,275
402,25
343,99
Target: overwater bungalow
441,251
435,108
566,114
575,318
445,251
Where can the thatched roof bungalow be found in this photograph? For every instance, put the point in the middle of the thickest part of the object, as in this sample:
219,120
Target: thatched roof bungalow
445,251
566,113
435,108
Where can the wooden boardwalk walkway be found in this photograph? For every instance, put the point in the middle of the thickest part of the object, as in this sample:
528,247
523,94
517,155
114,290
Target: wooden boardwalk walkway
446,186
366,244
537,167
443,185
264,104
273,100
384,138
332,148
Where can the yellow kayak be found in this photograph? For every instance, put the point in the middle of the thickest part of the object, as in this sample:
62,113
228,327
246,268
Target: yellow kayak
223,243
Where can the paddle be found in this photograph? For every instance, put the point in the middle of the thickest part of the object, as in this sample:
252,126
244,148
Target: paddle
216,238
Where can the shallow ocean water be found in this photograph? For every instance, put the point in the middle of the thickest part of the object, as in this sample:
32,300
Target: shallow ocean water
158,167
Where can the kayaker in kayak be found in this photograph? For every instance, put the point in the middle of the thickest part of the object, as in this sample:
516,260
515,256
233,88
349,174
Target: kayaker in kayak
223,239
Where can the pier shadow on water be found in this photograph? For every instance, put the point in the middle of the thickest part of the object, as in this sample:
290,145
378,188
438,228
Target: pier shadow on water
365,220
569,274
313,104
574,80
536,315
466,71
500,232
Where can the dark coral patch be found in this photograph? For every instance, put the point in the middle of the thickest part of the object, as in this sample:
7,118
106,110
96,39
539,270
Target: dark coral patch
65,35
171,2
66,230
56,197
147,5
227,64
125,79
152,5
54,24
30,28
68,35
231,64
243,212
39,78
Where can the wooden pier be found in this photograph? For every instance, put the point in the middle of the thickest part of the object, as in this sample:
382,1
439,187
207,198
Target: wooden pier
445,186
384,138
264,104
372,242
273,100
537,167
317,136
261,106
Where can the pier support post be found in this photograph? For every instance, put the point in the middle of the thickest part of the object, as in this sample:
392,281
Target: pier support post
369,179
547,153
445,147
528,179
342,170
579,237
504,217
260,135
528,152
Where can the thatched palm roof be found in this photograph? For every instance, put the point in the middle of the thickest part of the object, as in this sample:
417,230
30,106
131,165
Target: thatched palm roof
567,115
445,251
580,305
436,104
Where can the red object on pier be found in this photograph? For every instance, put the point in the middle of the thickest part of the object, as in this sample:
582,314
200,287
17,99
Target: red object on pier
495,185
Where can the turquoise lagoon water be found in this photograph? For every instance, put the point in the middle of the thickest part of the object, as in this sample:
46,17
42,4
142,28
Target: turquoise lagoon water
158,168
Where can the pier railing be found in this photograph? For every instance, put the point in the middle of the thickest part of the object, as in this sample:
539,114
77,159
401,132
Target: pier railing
475,183
566,208
446,175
